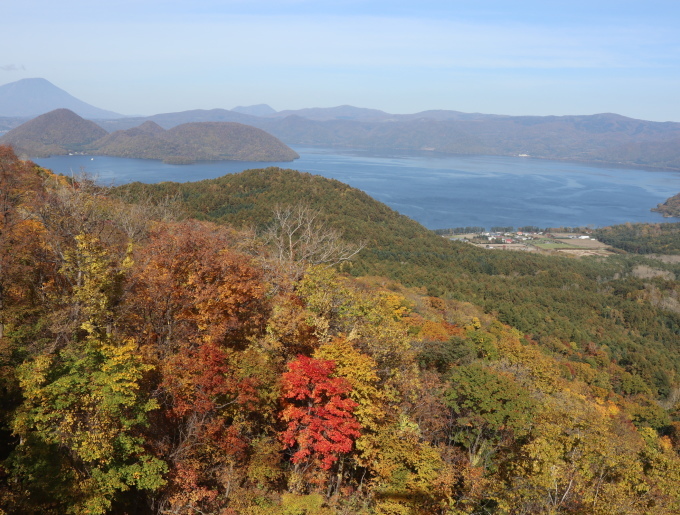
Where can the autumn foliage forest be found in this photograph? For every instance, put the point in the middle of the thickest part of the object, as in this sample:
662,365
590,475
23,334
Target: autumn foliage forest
151,362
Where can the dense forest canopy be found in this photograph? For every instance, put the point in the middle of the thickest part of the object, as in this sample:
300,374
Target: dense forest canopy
643,238
277,343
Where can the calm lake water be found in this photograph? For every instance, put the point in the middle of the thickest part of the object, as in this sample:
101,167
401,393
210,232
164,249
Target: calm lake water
440,190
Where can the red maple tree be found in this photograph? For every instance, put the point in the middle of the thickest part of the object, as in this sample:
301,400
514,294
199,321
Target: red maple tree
318,412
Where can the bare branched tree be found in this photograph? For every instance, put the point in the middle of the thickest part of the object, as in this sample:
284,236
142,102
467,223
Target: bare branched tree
133,215
87,206
299,238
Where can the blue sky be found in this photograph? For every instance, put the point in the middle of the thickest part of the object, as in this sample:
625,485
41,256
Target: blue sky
504,57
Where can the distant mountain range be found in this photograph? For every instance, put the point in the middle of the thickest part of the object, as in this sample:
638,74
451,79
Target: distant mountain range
256,110
606,138
62,131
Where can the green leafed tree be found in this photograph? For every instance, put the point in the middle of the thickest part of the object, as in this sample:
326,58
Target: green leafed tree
488,408
84,406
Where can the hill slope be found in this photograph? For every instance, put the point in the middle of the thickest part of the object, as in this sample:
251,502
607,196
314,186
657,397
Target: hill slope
658,239
32,97
568,306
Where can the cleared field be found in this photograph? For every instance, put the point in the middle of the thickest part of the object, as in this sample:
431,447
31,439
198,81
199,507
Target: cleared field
587,244
553,245
574,247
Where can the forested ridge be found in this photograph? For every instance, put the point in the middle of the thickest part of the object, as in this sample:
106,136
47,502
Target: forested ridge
155,361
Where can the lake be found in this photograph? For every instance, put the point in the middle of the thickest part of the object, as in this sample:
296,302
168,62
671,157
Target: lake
440,190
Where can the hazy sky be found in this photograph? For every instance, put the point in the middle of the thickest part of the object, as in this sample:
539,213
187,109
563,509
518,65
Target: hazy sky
506,57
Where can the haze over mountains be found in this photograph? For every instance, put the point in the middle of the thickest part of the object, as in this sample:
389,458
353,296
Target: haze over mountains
607,138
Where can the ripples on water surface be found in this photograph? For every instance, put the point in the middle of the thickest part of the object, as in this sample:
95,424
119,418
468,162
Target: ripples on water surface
441,190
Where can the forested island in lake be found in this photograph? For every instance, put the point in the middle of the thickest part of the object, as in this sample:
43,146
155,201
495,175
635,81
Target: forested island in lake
62,132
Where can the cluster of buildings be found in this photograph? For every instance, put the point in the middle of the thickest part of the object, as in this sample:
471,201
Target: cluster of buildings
519,240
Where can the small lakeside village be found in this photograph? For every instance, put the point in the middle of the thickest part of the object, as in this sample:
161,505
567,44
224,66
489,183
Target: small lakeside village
574,242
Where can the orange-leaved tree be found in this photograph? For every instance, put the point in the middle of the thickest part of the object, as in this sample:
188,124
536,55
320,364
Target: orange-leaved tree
196,306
